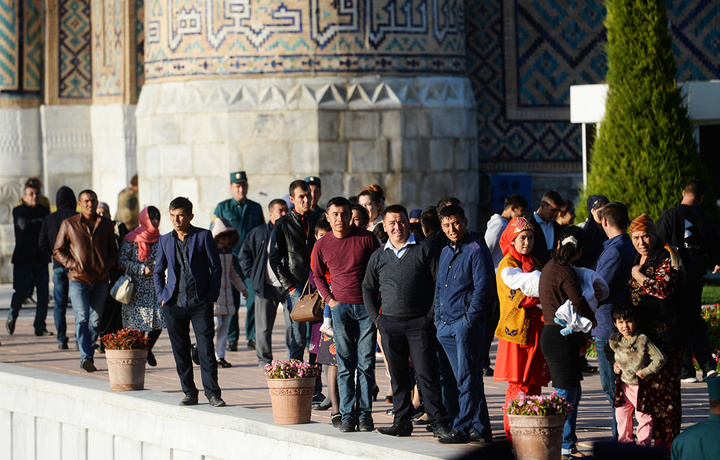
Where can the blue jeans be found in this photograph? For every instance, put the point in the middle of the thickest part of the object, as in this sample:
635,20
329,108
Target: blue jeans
24,275
463,345
355,341
88,302
607,379
60,294
298,331
569,437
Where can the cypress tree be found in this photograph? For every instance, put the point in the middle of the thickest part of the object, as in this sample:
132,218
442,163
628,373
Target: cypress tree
645,151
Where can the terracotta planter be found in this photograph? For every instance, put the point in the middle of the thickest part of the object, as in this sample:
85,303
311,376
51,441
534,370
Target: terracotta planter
291,400
537,437
126,369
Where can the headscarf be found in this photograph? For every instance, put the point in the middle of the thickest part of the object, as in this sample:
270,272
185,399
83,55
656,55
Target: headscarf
143,235
513,229
643,223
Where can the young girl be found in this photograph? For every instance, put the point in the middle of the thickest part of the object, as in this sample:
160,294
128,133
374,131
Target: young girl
636,357
226,238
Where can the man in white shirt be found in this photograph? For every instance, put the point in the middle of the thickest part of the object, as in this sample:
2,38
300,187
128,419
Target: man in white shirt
515,206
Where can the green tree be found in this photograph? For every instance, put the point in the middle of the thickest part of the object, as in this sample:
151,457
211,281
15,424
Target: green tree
645,151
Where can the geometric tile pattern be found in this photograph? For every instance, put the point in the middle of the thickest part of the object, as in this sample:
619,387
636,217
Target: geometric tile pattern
9,30
523,56
140,43
74,41
32,60
20,48
232,37
107,46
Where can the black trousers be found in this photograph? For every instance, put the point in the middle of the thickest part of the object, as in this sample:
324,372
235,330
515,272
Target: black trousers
178,321
412,338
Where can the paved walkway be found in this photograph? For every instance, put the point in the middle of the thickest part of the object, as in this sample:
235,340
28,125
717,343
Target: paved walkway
244,384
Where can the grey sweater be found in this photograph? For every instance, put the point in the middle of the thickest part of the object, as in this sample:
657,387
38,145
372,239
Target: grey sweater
404,287
635,353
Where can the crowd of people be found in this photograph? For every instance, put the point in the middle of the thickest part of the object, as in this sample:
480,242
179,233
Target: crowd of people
420,286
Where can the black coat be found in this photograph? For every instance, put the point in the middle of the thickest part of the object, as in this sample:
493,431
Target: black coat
253,257
28,222
540,251
66,204
290,249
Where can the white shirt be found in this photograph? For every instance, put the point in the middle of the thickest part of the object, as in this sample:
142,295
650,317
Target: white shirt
548,231
495,228
400,252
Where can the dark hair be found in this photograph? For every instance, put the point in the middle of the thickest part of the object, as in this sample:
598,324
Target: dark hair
380,233
552,195
448,201
153,213
430,220
364,216
232,241
616,214
696,187
276,202
183,203
34,182
396,209
450,211
567,206
301,184
323,224
416,229
378,190
339,201
623,310
374,196
515,200
89,192
566,251
134,180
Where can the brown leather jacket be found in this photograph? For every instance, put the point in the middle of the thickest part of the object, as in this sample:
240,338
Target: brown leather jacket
87,257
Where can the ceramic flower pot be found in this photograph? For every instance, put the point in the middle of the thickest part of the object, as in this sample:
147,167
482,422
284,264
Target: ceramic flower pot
536,437
291,400
126,369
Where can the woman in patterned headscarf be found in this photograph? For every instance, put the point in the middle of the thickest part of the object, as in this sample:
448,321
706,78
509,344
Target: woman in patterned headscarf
519,359
652,289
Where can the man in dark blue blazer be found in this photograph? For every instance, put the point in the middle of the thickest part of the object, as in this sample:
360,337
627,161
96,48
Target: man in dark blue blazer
187,293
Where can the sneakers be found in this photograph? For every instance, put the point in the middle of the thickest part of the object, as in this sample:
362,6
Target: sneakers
399,429
709,375
44,333
689,379
88,365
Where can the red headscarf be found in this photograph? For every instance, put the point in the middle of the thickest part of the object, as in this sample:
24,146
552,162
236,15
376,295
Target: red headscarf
513,229
143,235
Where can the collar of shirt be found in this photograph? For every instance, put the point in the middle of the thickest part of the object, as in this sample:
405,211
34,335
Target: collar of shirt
189,233
547,229
612,240
399,252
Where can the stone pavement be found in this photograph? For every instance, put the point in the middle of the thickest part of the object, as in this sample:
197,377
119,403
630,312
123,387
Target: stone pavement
244,384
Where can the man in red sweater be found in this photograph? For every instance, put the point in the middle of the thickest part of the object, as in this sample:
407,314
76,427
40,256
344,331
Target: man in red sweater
345,253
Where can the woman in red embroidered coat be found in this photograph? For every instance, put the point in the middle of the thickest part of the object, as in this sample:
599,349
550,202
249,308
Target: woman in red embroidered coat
519,359
652,289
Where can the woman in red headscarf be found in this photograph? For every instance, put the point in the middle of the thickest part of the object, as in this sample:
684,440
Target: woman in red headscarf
137,258
519,359
652,292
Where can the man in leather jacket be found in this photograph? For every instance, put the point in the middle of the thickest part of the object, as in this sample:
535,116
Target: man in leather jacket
292,243
86,246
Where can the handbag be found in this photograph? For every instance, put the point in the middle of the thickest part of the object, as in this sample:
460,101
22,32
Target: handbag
308,308
122,289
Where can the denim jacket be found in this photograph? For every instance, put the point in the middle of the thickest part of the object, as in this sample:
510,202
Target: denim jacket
465,286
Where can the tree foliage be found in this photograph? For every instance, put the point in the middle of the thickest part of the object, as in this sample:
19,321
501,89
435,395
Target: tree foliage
645,151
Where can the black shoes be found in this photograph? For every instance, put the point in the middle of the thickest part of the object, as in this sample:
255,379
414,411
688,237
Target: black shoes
347,425
222,363
190,400
336,420
216,401
251,344
151,359
440,430
88,365
477,437
399,429
44,333
194,354
488,372
325,404
454,437
232,346
366,424
62,346
10,326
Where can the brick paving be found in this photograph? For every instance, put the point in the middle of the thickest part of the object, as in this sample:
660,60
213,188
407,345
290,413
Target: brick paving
244,384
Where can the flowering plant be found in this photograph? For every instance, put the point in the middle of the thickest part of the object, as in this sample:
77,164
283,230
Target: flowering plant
537,405
293,369
125,339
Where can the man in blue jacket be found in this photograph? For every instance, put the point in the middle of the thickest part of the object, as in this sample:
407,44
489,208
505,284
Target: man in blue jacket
465,290
187,293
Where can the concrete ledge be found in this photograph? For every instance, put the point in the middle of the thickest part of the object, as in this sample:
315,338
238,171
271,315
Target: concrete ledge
54,416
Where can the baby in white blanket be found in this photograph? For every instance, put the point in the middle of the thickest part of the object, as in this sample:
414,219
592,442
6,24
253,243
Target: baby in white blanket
594,289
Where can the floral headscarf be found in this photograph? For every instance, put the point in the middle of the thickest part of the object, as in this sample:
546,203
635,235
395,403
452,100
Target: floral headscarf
513,229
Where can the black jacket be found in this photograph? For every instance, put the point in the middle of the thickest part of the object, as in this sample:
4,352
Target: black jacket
290,249
540,251
253,257
27,222
66,204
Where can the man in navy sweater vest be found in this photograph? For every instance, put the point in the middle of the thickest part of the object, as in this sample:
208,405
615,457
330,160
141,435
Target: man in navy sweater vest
400,279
